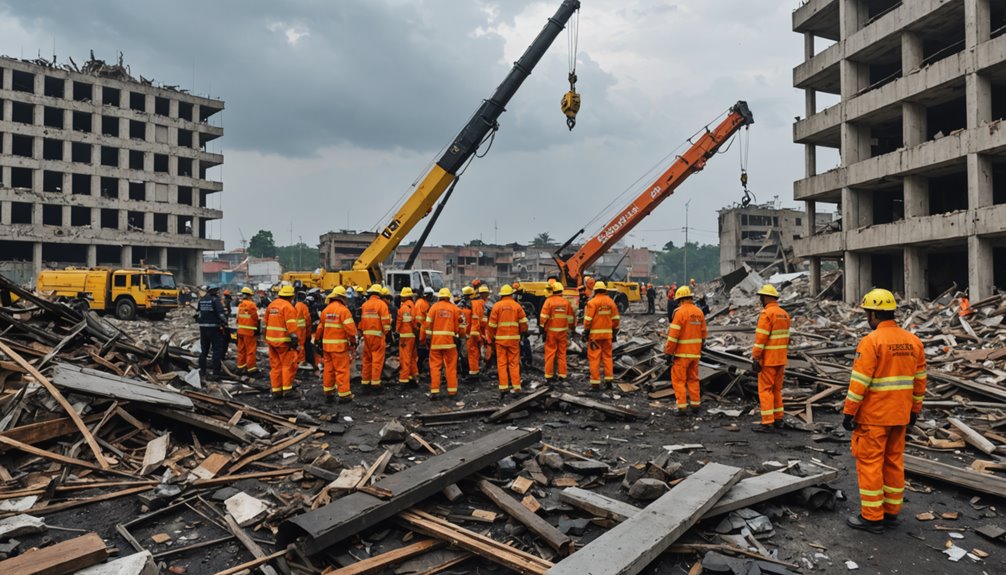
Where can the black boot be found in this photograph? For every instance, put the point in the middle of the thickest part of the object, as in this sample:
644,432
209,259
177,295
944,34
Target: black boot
857,522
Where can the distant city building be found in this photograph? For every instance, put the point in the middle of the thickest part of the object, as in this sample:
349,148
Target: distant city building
98,168
339,250
760,236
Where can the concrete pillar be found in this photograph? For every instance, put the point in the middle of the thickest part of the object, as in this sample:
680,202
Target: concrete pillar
916,196
36,259
979,268
977,22
978,91
857,276
127,256
915,124
92,255
162,253
852,16
916,268
5,213
912,52
95,219
810,221
8,81
979,181
857,209
815,275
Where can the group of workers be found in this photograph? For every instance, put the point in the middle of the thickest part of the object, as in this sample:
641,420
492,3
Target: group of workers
884,398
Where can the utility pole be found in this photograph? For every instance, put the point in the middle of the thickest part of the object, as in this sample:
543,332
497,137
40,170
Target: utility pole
686,240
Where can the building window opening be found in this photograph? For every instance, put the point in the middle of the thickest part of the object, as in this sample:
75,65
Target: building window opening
137,101
21,178
137,130
23,82
134,221
137,191
185,225
161,163
160,222
52,215
80,184
22,145
162,106
185,195
54,87
110,219
943,119
110,188
52,182
110,126
948,193
110,96
52,117
80,152
82,91
135,160
185,111
22,113
80,217
185,167
82,122
20,213
110,156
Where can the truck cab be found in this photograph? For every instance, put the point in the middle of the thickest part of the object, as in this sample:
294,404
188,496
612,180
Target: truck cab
151,291
418,280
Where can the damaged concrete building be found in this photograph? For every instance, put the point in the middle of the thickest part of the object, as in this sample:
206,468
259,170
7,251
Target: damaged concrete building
761,236
912,96
97,168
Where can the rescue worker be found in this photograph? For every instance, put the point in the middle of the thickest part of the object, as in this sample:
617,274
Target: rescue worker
375,323
672,304
651,299
212,322
441,330
248,328
685,338
886,389
281,336
480,308
421,307
303,327
600,329
473,328
228,302
405,326
507,322
588,286
337,334
768,357
556,321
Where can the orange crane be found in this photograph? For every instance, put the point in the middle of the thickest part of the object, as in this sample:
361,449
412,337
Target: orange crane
573,268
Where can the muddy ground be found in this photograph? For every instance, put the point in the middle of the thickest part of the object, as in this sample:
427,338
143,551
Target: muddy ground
801,535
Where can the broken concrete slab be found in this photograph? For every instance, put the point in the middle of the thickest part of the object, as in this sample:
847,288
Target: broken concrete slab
21,525
245,509
136,564
647,489
392,432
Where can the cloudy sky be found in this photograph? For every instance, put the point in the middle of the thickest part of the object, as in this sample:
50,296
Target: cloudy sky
335,107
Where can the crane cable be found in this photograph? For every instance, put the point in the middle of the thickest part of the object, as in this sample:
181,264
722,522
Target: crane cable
744,146
571,100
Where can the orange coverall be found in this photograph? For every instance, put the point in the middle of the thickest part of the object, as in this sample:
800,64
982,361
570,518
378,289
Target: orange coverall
405,325
600,318
684,342
887,385
280,324
247,334
770,347
506,322
475,334
303,329
375,322
441,327
556,320
337,334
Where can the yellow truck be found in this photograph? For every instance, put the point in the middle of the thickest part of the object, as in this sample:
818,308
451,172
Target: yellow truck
121,291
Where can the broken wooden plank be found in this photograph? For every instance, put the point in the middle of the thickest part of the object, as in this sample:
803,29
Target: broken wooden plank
518,405
253,563
356,511
377,563
202,422
153,456
973,437
62,558
629,547
210,466
609,409
274,449
43,431
94,382
956,475
450,416
481,545
57,457
248,542
747,492
44,382
548,532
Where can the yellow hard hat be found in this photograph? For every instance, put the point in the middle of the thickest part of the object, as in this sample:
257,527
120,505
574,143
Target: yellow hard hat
506,290
385,291
557,287
468,290
769,290
286,291
376,288
247,290
359,289
879,300
599,286
444,293
483,288
337,291
406,291
683,292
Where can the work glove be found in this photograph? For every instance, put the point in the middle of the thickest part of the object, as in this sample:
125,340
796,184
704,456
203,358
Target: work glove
848,424
669,359
912,419
294,344
755,366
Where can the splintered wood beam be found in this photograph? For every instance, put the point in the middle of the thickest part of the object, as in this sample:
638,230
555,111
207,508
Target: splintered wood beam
41,379
60,559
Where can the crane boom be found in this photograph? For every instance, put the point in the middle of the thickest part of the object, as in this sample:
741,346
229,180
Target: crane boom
693,160
366,269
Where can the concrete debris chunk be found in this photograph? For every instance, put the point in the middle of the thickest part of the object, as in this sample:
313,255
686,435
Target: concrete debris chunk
21,525
245,509
647,489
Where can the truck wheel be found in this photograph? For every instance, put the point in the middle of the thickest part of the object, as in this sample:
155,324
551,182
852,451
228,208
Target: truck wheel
529,310
125,309
622,303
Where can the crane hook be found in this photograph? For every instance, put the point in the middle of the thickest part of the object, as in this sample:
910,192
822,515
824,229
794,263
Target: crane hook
746,199
571,102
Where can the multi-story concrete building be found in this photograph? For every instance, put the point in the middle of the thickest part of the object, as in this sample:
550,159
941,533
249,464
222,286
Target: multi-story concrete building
340,249
97,168
921,94
760,236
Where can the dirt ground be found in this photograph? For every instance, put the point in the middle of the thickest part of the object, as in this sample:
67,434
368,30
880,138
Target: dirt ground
915,547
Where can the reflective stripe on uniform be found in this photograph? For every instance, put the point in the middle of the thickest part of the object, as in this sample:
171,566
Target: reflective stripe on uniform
373,332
